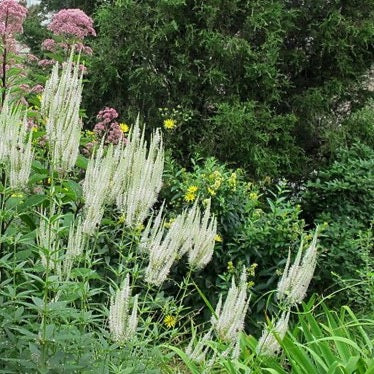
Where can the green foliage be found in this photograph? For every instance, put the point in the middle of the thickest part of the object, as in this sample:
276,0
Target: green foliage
257,226
320,341
342,195
262,81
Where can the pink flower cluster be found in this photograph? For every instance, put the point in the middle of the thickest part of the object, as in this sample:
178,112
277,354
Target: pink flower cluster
72,22
12,16
51,45
108,126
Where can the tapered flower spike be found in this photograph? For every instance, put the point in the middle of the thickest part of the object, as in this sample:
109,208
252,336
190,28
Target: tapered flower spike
75,246
60,106
268,344
20,157
293,285
137,179
228,321
96,185
201,235
15,146
122,325
48,241
197,351
162,247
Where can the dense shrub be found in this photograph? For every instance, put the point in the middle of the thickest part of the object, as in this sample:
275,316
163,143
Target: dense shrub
263,81
342,195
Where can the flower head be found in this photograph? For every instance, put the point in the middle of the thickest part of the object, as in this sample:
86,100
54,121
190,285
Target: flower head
170,124
72,22
12,16
170,321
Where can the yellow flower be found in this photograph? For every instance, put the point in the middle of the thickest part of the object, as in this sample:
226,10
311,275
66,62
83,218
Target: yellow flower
189,196
34,129
121,219
124,127
192,189
218,238
232,180
170,321
191,193
170,124
253,196
230,267
211,191
17,195
167,224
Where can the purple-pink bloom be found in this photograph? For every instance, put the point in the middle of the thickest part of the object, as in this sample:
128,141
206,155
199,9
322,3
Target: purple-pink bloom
12,16
49,45
72,22
45,63
37,89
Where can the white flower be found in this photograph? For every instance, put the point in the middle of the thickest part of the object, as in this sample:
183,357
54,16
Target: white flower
137,179
295,280
75,245
60,106
200,236
15,146
122,325
268,344
96,186
228,322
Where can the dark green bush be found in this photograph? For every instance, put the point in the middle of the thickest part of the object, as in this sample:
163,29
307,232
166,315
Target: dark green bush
342,195
260,79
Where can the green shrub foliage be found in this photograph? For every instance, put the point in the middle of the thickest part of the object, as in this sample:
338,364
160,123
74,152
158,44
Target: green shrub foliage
263,82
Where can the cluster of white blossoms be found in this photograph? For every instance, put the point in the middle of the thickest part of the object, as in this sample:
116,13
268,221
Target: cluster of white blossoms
228,321
96,187
198,350
295,280
291,290
60,106
48,241
122,324
15,146
269,342
137,177
128,174
75,245
188,233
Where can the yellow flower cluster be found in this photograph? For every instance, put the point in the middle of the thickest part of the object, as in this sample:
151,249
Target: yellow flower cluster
170,123
191,193
215,180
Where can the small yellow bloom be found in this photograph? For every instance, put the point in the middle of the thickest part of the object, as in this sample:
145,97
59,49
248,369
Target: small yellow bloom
17,195
191,193
250,284
170,321
121,219
218,238
230,267
34,129
253,196
192,189
189,196
124,127
170,124
232,180
211,191
167,224
49,180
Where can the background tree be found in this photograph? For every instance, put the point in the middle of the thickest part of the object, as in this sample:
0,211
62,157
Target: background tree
260,84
